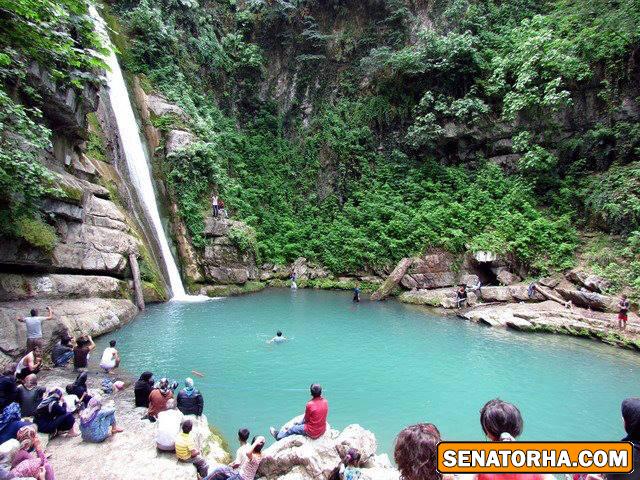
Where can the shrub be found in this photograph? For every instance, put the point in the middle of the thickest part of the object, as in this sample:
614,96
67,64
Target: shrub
37,233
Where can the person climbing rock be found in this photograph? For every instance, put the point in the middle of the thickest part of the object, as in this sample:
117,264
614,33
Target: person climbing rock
623,305
34,328
190,401
314,422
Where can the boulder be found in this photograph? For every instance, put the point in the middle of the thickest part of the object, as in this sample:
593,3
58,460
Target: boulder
177,140
441,297
226,275
591,282
159,106
513,293
505,277
59,208
104,213
301,458
587,299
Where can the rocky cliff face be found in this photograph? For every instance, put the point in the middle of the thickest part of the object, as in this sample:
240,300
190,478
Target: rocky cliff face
85,276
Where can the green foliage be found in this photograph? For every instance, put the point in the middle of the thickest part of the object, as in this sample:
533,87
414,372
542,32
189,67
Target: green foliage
23,179
58,36
617,260
244,239
36,232
613,198
96,147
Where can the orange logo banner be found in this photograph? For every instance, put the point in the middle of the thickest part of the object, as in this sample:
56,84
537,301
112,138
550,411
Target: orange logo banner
535,457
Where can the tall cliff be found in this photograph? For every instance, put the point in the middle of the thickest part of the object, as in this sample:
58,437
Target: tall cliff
357,133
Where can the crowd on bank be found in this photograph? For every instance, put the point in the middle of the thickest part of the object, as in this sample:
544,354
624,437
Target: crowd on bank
26,409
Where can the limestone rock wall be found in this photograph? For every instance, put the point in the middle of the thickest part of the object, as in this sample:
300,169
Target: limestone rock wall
85,277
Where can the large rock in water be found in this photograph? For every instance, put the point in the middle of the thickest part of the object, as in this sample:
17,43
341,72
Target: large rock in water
301,458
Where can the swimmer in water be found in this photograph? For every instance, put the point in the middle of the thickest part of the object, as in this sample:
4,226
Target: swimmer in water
279,338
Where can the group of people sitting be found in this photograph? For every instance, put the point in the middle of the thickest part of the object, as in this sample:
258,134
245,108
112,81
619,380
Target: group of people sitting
26,409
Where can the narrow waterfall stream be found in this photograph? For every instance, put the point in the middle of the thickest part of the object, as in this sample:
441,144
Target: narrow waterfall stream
138,164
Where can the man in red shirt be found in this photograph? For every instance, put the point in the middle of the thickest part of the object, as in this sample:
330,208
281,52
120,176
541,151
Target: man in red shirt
314,423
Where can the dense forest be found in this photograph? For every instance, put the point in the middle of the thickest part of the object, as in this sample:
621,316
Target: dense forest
355,133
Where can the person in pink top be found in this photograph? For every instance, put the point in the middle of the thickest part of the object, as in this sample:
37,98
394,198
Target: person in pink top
314,423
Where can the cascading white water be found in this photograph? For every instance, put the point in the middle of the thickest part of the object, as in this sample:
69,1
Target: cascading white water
136,157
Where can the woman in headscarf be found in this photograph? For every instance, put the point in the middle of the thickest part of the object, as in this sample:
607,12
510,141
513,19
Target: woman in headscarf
30,395
26,464
52,416
142,389
158,399
190,401
97,423
10,422
631,418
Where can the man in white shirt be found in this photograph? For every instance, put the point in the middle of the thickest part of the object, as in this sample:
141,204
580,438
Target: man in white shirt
168,422
279,338
34,329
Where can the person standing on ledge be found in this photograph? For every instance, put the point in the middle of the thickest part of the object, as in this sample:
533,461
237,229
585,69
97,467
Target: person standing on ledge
356,293
34,328
215,207
622,314
314,423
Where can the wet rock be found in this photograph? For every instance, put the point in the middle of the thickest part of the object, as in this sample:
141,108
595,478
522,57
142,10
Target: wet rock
440,297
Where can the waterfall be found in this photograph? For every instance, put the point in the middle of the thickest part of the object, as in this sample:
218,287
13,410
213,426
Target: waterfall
135,154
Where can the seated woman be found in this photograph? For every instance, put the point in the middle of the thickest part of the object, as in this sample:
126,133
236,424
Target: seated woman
142,389
10,422
52,417
97,423
30,395
26,464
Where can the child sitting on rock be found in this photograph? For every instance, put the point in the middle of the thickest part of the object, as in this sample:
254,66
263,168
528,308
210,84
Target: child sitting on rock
348,468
